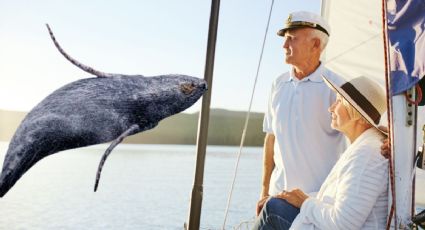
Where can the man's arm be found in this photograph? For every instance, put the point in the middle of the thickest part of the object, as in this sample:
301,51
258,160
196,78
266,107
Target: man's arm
268,164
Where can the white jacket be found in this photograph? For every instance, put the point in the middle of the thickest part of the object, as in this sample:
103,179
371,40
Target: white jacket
355,193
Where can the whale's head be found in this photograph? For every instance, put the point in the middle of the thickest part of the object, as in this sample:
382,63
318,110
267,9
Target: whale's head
176,93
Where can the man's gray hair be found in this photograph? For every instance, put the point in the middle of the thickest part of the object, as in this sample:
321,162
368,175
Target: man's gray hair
324,38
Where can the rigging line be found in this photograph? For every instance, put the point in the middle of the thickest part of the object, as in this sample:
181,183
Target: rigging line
352,48
415,134
393,208
247,117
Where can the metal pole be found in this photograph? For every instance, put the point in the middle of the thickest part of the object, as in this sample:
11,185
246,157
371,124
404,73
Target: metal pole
204,115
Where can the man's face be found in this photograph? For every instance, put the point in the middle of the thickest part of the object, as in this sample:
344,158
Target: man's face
297,45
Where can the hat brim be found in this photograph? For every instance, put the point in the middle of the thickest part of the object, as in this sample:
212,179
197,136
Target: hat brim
298,26
353,103
283,31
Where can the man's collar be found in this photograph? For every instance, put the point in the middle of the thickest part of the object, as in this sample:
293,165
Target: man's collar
316,76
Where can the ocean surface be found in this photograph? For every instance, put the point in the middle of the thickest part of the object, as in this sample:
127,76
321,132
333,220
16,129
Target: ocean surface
142,187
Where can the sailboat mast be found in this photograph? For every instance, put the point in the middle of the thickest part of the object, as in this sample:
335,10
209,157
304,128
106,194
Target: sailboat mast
204,115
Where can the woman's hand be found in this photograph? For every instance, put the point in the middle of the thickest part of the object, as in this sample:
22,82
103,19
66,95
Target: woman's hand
295,197
385,148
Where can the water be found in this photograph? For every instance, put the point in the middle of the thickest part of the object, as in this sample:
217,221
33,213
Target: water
142,187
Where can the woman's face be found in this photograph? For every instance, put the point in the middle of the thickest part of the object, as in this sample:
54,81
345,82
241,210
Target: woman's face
339,114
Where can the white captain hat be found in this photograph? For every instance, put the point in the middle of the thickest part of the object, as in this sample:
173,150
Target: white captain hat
302,19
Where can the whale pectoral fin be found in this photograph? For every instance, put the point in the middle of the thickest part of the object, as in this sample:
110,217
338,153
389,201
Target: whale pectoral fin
133,129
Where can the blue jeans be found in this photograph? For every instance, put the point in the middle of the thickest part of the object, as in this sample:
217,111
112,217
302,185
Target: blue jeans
276,214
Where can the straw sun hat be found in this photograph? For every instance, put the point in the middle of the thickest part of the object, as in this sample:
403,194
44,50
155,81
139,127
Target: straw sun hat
364,94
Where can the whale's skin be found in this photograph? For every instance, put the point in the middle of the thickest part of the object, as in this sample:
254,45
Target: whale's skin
96,110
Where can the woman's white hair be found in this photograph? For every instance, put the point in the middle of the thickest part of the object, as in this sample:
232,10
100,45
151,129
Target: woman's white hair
353,113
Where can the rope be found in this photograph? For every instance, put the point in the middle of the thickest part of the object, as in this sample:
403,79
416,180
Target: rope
247,117
418,98
352,48
390,158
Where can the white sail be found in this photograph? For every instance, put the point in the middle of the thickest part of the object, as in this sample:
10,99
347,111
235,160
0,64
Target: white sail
356,48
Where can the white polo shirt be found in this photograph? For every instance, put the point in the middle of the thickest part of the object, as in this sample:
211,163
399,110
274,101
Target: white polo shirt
306,147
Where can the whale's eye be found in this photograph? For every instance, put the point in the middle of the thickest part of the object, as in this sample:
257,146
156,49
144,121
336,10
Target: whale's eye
187,88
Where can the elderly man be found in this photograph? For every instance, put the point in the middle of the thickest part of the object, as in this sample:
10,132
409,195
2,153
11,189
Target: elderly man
300,146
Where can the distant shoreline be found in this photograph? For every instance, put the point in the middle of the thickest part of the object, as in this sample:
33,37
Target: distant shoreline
154,147
225,129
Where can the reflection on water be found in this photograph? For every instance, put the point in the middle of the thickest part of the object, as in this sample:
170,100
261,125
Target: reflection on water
142,187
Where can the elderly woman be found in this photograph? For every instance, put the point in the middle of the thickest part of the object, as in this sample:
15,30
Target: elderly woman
354,195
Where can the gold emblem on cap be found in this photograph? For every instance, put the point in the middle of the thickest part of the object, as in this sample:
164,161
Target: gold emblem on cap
289,20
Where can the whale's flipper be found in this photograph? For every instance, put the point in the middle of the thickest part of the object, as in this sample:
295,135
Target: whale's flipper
88,69
132,130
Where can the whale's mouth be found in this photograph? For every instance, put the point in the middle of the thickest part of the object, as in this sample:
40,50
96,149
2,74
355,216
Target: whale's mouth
203,86
190,87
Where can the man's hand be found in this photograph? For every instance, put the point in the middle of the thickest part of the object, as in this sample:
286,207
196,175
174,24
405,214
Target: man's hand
260,204
295,197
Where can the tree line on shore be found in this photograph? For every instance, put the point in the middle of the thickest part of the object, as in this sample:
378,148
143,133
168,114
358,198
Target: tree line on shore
225,128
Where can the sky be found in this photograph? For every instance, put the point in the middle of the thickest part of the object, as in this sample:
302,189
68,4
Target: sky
141,37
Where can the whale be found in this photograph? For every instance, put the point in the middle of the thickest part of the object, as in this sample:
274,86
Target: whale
104,108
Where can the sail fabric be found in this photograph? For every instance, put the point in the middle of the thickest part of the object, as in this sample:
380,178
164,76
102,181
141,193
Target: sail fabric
406,35
356,48
355,45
